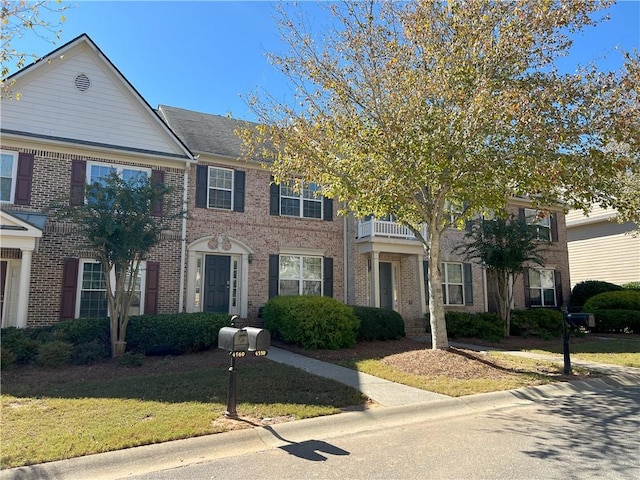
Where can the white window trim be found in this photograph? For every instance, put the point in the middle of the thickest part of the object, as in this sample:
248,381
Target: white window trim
14,174
209,187
301,198
112,280
302,278
541,288
446,283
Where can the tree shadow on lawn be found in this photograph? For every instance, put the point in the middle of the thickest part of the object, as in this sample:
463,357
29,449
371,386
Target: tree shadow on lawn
201,377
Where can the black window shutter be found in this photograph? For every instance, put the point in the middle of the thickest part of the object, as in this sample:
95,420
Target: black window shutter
425,273
202,182
69,288
274,198
78,182
328,209
274,275
527,292
327,279
23,179
559,296
151,288
554,227
157,176
468,283
521,214
238,191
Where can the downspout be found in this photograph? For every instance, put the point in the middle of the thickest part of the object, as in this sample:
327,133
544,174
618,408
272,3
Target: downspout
183,240
484,288
345,263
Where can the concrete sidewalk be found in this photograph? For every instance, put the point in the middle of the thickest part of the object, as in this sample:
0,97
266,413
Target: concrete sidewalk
402,405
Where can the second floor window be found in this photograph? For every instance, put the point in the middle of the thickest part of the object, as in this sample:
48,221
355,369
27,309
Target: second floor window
306,203
533,217
97,171
220,191
8,166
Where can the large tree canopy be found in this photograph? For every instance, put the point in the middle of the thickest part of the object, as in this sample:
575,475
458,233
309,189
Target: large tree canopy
408,108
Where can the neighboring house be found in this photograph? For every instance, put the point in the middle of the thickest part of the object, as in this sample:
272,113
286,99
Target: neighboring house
388,269
244,238
77,118
249,239
602,249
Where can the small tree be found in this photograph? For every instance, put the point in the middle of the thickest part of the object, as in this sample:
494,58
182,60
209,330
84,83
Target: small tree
117,219
504,245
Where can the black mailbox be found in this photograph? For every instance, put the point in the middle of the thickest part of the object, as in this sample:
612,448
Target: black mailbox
581,320
234,340
259,340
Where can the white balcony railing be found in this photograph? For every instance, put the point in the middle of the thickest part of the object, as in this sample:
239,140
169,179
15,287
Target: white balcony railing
385,228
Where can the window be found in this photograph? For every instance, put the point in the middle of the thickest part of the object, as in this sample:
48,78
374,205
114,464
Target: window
220,188
8,173
96,171
542,288
306,203
300,275
454,210
93,291
542,221
452,284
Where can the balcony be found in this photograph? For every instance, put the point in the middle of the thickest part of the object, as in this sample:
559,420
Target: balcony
386,229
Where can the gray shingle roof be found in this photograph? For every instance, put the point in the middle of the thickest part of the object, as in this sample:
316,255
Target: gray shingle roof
203,132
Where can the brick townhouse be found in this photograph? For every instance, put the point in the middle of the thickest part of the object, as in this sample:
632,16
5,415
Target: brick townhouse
244,239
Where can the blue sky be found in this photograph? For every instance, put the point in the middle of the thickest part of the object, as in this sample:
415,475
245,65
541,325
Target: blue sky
203,55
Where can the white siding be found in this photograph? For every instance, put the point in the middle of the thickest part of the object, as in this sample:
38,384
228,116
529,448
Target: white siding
603,251
109,112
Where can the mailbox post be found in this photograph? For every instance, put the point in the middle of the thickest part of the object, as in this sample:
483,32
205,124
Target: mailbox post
238,342
572,321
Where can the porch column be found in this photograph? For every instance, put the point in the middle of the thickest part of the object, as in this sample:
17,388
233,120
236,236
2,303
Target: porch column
192,267
23,289
375,278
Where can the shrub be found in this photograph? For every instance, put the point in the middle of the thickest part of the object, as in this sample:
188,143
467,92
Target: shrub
175,333
83,330
312,322
631,286
543,322
20,343
54,354
378,324
583,291
622,300
617,321
486,326
90,352
7,357
131,360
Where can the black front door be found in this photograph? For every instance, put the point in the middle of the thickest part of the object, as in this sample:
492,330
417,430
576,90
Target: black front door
386,286
217,270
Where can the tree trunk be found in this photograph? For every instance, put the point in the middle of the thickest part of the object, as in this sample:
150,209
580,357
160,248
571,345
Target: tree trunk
439,339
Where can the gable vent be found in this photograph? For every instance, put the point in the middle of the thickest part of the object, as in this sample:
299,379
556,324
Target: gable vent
82,82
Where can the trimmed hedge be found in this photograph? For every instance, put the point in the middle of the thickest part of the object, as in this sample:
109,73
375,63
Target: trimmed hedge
378,324
616,321
86,340
621,300
175,333
583,291
486,326
543,322
312,322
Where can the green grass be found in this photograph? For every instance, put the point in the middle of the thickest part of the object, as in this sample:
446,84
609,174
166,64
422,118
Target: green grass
614,351
57,420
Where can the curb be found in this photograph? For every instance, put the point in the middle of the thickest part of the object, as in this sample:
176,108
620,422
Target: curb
173,454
